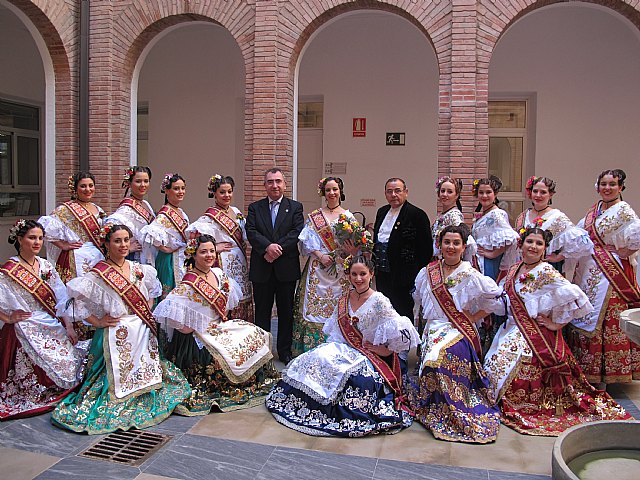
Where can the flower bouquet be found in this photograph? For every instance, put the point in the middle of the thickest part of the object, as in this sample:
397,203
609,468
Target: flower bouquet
349,229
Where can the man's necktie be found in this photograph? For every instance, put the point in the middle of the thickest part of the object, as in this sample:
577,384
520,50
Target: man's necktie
274,204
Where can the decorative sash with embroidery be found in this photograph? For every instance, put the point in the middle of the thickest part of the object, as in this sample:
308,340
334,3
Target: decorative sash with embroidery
86,219
391,374
547,345
217,300
445,300
322,228
138,208
520,221
177,220
228,224
38,288
624,285
132,297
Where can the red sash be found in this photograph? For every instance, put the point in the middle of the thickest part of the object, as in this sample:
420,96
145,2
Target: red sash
322,227
520,221
228,224
86,219
548,346
217,300
177,220
132,297
38,288
391,374
138,207
625,285
445,300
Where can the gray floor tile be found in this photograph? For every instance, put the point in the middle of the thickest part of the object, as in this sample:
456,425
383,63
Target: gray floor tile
176,423
193,456
305,464
495,475
36,434
83,468
416,471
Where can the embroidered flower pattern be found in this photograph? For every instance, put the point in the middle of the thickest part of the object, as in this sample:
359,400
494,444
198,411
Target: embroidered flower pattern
525,277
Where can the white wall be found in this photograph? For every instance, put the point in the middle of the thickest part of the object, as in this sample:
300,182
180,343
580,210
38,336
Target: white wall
584,64
193,80
22,78
378,66
22,74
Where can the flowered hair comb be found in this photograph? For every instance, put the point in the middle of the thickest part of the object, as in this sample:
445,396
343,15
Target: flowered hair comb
166,181
128,176
13,231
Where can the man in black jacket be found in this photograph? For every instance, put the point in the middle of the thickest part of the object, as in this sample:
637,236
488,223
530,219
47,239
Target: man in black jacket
273,226
403,245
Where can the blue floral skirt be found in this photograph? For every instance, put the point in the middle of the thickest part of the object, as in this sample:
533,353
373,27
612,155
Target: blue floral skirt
451,398
363,405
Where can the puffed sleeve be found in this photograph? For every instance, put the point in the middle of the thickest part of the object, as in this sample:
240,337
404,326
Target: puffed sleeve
309,240
150,280
392,329
477,292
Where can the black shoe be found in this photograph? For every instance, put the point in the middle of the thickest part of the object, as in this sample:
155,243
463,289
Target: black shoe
286,359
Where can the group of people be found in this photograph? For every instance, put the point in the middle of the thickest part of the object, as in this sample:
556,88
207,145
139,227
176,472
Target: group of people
138,314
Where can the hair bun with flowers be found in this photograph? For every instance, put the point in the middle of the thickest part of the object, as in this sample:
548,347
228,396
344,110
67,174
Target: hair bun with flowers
321,186
128,176
214,183
104,231
71,186
191,248
13,231
166,181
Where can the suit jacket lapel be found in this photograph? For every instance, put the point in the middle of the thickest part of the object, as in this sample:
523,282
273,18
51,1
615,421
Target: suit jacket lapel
266,214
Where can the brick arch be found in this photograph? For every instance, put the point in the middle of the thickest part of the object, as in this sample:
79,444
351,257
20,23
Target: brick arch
131,27
300,20
58,33
423,21
497,18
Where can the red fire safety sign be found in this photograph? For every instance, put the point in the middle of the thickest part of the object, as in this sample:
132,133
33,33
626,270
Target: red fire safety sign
359,127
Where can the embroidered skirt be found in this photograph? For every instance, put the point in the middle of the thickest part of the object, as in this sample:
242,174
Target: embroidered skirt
210,388
451,398
548,401
93,409
607,355
362,404
25,389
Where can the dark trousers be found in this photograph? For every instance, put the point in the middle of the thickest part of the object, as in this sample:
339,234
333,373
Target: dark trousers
399,296
263,295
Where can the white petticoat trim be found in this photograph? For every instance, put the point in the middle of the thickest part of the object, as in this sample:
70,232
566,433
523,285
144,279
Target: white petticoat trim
155,235
176,312
498,239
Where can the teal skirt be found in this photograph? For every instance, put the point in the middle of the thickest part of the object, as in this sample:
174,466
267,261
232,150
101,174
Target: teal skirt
94,410
166,274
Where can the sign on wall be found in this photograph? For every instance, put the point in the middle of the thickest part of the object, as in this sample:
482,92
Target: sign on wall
359,127
395,138
335,168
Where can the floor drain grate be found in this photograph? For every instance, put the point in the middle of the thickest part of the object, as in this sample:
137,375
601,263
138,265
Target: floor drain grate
132,447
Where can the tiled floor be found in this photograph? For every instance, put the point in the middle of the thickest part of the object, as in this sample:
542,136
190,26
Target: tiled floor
249,444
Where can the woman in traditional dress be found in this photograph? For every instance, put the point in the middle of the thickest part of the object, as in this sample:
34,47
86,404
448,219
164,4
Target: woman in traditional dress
323,279
127,382
164,239
226,224
352,385
492,231
531,368
608,277
39,364
448,190
73,229
497,244
570,243
73,235
451,398
134,211
227,361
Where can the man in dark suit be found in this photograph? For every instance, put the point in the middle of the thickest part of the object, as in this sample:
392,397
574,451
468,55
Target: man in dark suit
273,226
403,245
